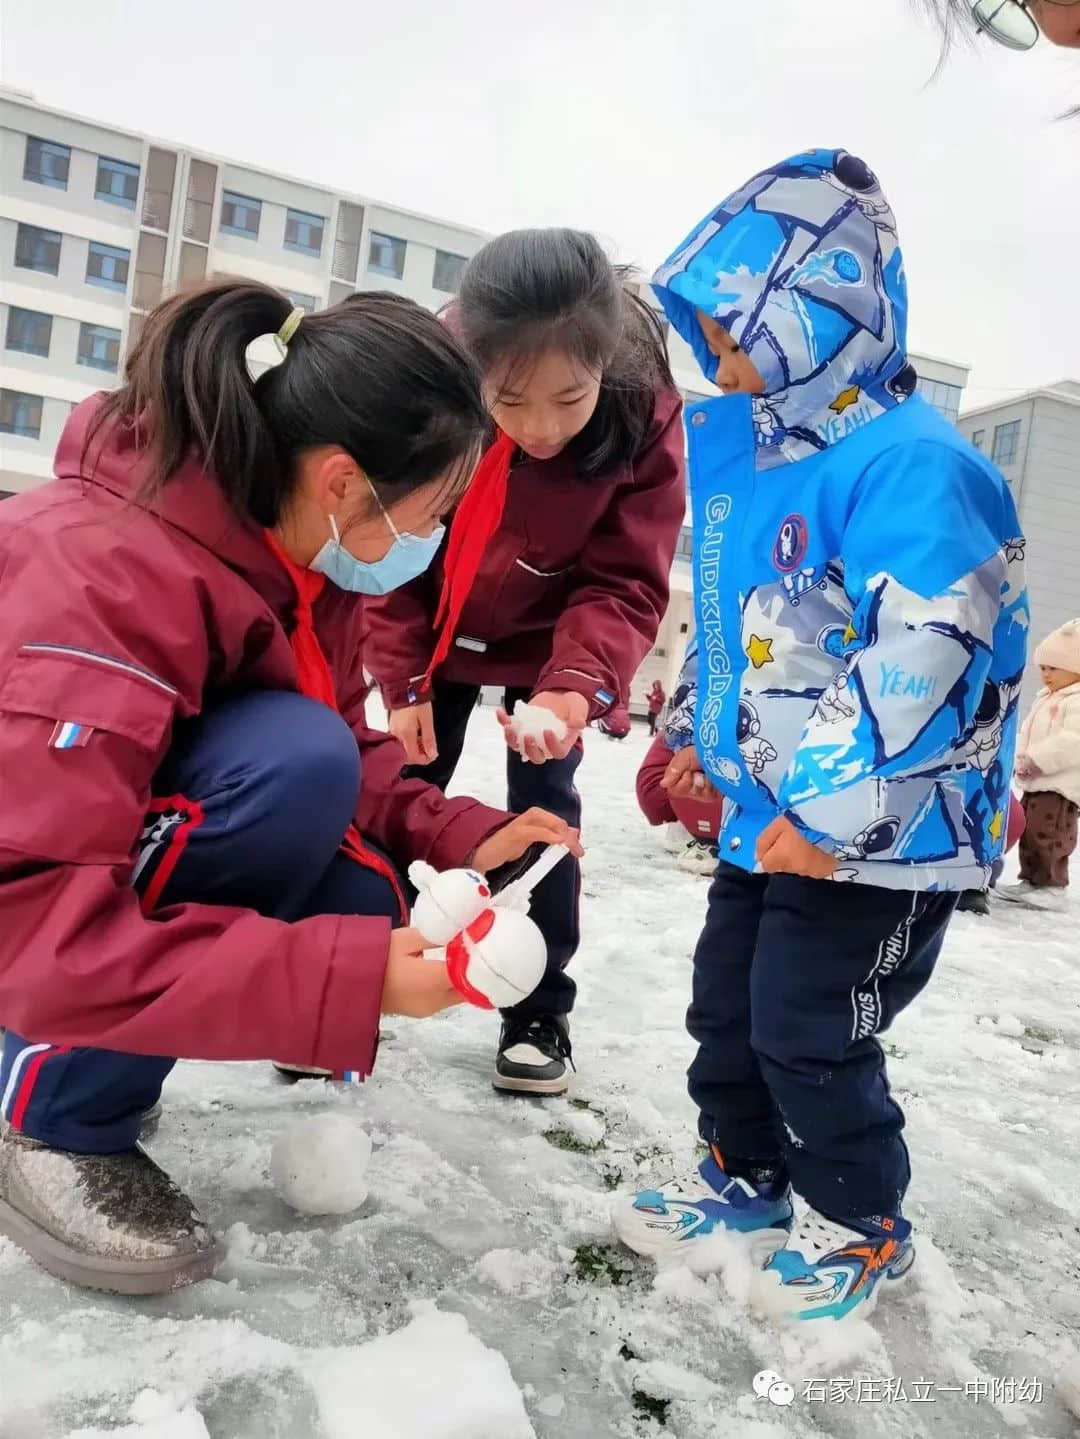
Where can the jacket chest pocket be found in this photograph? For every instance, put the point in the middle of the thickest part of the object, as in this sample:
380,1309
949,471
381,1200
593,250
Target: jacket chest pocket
81,735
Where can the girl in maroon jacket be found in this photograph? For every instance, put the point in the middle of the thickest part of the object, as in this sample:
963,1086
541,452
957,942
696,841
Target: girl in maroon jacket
555,577
195,820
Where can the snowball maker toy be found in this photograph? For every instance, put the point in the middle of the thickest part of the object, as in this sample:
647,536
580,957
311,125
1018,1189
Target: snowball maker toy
446,902
495,955
498,960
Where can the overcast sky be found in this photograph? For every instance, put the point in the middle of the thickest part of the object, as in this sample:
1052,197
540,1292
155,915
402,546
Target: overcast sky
627,118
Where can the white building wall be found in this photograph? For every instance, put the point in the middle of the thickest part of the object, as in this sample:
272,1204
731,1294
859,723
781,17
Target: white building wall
1045,480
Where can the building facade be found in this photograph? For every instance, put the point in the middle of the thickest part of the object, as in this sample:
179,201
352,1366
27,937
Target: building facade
1034,439
97,224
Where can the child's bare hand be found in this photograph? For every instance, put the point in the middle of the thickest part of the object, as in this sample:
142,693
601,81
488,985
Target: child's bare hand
415,728
685,779
413,985
535,826
571,708
781,849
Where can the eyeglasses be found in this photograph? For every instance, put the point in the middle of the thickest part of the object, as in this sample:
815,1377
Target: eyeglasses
1009,22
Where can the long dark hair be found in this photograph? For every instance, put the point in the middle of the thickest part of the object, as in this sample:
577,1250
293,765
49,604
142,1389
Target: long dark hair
534,290
377,375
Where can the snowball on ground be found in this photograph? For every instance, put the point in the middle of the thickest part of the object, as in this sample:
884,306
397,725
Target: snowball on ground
320,1164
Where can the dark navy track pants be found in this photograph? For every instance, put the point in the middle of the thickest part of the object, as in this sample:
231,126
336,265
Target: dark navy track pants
250,807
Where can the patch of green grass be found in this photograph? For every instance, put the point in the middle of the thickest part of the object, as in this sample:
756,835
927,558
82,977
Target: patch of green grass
647,1406
602,1264
581,1104
1044,1036
649,1151
563,1139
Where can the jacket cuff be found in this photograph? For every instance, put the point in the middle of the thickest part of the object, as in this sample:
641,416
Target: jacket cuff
402,694
348,1033
601,699
457,841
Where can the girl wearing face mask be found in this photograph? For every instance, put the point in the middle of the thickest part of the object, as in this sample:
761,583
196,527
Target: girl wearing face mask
554,579
199,836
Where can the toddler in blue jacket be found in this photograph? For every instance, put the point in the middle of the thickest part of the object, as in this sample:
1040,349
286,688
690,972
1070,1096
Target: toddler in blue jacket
862,623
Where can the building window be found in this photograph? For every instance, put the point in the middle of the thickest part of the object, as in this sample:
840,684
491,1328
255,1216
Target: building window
448,271
386,255
107,265
117,183
99,347
304,232
46,163
20,414
684,550
1006,443
38,249
978,438
240,215
308,303
944,398
29,331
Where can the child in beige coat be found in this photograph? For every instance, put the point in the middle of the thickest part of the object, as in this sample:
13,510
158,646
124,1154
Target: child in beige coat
1048,772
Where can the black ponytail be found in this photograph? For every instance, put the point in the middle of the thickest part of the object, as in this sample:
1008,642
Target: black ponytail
534,290
376,375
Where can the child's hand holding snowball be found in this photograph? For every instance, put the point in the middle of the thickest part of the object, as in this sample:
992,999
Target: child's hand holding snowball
537,739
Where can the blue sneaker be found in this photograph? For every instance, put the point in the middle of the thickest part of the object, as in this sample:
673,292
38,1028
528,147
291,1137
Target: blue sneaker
664,1222
828,1270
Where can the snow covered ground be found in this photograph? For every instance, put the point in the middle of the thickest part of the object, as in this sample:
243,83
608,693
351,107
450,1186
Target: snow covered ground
475,1296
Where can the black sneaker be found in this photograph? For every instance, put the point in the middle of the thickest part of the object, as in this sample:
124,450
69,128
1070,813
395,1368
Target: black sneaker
974,901
533,1055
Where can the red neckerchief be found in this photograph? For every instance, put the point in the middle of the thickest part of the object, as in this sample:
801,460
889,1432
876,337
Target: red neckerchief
475,522
317,683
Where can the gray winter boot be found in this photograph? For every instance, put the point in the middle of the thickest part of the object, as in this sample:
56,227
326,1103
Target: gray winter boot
106,1221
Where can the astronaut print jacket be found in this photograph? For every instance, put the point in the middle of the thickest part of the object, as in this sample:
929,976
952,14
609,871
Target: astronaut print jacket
861,611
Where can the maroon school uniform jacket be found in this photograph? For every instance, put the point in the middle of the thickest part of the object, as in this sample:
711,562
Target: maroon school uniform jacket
571,589
122,622
698,818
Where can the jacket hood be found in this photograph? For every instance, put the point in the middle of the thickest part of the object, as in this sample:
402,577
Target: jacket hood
803,266
192,501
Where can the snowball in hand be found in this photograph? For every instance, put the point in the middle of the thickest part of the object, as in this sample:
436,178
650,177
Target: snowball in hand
498,960
447,902
534,722
319,1165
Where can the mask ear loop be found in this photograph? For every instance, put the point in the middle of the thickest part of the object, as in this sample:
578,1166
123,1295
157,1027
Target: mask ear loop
382,510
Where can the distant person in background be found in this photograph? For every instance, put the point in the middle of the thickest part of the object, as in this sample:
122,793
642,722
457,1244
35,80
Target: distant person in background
657,699
1012,23
1048,771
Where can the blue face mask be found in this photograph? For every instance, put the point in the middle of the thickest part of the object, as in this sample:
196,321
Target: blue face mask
407,557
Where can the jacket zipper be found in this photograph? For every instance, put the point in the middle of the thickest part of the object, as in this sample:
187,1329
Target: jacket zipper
99,659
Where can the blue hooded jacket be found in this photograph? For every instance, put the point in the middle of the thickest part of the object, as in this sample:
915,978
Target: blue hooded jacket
861,611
